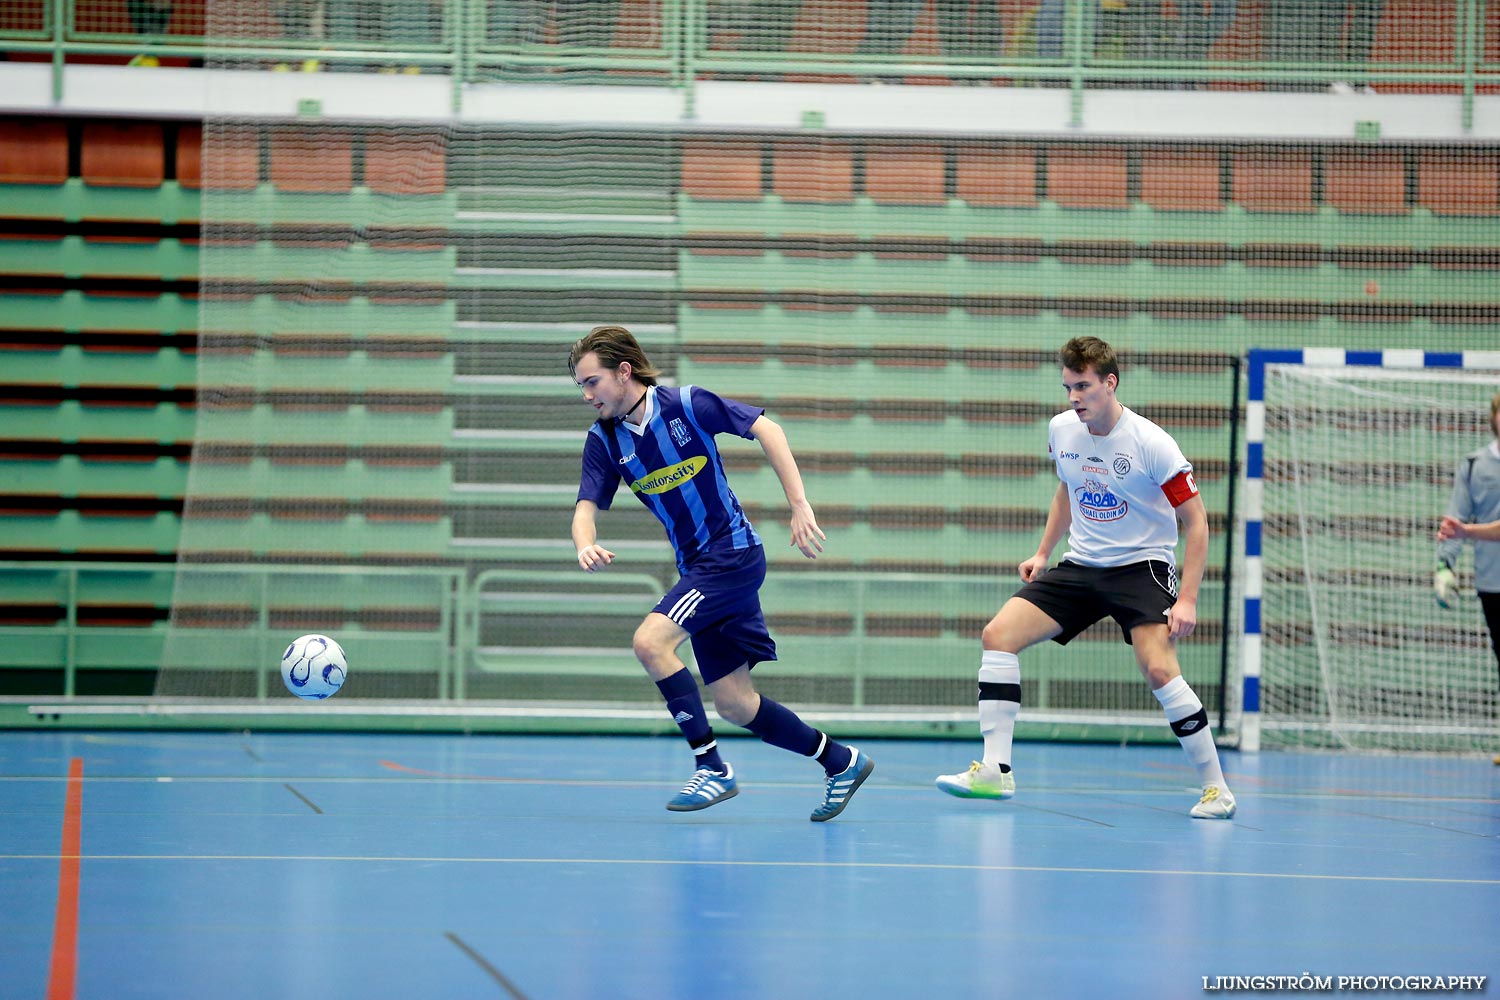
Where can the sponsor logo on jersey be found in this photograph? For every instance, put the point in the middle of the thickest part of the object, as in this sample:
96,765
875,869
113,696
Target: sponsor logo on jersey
1097,470
1096,460
671,477
628,459
1122,465
679,430
1070,454
1098,503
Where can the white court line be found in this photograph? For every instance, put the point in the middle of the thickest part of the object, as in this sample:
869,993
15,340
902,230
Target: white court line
892,785
824,865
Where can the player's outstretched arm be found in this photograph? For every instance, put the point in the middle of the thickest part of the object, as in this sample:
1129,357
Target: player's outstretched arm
1059,520
591,555
1452,527
1193,518
806,535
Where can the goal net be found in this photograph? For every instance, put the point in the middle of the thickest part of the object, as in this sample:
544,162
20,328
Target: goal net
1352,463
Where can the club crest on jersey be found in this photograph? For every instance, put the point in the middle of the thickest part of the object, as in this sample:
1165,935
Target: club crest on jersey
1122,465
680,433
1099,503
671,477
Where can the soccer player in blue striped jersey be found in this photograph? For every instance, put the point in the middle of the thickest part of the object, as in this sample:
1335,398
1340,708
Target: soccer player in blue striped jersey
659,440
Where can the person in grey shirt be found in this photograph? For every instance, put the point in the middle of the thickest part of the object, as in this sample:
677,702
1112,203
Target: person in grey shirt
1474,513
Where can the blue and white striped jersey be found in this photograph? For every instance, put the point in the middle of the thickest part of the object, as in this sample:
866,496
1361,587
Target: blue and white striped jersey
671,464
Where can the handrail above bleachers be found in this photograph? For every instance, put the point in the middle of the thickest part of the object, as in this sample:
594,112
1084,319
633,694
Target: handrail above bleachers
676,43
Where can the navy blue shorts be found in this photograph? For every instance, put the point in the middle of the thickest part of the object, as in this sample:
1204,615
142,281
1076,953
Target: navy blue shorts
717,601
1077,596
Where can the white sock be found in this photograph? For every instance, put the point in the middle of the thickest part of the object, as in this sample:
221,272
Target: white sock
997,716
1190,723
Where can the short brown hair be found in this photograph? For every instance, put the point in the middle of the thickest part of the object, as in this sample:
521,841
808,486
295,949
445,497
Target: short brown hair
614,345
1082,353
1495,412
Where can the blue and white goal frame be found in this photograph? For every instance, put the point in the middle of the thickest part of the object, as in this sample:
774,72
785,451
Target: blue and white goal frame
1255,435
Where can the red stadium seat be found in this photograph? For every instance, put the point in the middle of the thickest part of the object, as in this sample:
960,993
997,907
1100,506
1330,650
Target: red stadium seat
404,163
190,156
312,160
1181,180
729,171
1370,183
814,172
1459,183
1087,177
1003,177
906,176
232,162
33,151
1273,181
123,154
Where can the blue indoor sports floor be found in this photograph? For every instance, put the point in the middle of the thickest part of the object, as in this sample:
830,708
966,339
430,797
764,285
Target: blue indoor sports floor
229,866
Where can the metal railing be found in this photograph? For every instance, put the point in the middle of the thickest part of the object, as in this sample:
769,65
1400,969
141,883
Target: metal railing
61,643
682,42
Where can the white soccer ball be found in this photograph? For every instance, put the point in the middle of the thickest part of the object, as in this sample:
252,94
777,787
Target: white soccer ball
314,667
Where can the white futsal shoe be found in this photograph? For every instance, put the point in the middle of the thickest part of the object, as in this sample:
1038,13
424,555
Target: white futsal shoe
1217,803
980,781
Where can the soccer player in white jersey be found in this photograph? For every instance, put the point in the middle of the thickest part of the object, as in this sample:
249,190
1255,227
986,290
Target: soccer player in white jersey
1474,513
659,440
1123,488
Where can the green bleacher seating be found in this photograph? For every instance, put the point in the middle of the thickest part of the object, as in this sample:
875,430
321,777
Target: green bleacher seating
413,410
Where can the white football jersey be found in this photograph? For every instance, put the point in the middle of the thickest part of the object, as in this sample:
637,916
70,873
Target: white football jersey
1120,514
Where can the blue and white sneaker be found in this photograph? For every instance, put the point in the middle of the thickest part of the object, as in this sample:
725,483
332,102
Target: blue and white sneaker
842,786
705,788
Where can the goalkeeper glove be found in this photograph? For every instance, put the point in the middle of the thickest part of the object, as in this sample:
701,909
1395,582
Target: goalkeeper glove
1444,586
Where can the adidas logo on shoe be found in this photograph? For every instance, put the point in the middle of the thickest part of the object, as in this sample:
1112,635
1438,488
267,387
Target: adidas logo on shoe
705,788
682,717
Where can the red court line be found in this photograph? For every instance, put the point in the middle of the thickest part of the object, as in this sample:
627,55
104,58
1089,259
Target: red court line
64,972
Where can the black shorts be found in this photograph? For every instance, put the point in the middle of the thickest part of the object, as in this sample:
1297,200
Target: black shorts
1077,596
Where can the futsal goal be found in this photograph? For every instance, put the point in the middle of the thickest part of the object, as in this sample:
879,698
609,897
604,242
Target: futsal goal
1350,464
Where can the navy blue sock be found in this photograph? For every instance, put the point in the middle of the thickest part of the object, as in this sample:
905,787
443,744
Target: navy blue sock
686,705
781,727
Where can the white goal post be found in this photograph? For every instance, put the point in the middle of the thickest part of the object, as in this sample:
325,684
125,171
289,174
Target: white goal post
1350,464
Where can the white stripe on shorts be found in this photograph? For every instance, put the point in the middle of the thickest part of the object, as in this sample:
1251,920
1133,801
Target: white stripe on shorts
1171,585
685,606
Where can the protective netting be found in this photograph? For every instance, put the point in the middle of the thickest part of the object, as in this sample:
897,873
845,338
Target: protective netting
388,442
1359,466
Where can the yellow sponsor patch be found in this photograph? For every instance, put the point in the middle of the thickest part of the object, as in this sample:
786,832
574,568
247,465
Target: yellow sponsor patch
671,477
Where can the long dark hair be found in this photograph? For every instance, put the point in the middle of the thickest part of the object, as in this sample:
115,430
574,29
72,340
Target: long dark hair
614,345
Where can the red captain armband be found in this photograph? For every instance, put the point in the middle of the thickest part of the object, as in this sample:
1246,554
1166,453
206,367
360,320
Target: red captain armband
1180,488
